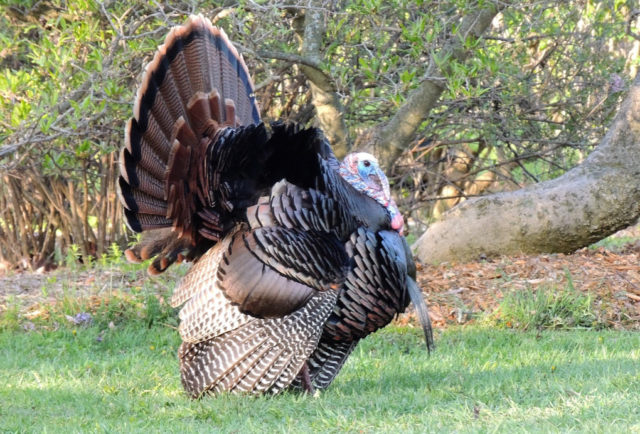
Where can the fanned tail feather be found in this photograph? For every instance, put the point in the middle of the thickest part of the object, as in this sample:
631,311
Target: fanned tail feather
196,85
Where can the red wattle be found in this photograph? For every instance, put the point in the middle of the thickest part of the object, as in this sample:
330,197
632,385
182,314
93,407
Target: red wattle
397,223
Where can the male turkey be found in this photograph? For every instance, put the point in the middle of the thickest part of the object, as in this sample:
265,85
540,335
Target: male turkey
297,256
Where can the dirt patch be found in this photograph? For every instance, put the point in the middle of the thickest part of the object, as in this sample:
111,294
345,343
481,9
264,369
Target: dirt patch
29,290
456,293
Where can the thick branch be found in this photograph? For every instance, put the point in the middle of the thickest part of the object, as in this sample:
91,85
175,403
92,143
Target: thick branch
329,109
392,138
289,57
586,204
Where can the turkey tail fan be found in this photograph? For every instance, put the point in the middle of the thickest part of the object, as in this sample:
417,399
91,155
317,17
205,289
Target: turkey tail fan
263,355
196,84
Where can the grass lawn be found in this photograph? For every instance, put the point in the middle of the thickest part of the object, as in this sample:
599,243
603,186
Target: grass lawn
479,379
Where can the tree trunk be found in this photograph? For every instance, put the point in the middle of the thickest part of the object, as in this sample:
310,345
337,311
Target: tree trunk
586,204
388,141
329,109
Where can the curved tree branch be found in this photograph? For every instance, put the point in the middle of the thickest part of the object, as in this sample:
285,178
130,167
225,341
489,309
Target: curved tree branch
391,139
290,57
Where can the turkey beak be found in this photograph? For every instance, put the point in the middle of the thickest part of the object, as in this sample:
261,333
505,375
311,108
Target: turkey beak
421,309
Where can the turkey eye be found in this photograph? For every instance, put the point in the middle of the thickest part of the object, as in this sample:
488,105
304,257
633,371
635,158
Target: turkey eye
366,163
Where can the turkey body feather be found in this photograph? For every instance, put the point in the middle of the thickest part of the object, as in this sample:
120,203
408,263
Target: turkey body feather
297,256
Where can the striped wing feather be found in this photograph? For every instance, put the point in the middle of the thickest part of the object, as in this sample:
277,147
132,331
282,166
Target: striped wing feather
206,312
263,355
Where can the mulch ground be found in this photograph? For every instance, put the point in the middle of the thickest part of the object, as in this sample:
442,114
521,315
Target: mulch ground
456,293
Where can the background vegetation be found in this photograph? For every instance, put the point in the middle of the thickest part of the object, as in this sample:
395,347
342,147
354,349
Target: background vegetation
532,99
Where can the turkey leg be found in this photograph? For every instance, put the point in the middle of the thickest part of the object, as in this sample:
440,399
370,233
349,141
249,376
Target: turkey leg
306,379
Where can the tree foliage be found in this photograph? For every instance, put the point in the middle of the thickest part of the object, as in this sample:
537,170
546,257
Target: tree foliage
530,100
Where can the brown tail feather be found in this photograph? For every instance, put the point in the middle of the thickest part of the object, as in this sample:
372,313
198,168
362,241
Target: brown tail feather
196,84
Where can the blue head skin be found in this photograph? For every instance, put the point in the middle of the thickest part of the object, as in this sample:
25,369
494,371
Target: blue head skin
363,172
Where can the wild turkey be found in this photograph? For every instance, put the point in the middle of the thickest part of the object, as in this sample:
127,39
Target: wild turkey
297,256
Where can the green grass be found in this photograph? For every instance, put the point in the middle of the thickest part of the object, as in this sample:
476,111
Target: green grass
616,242
126,379
547,308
